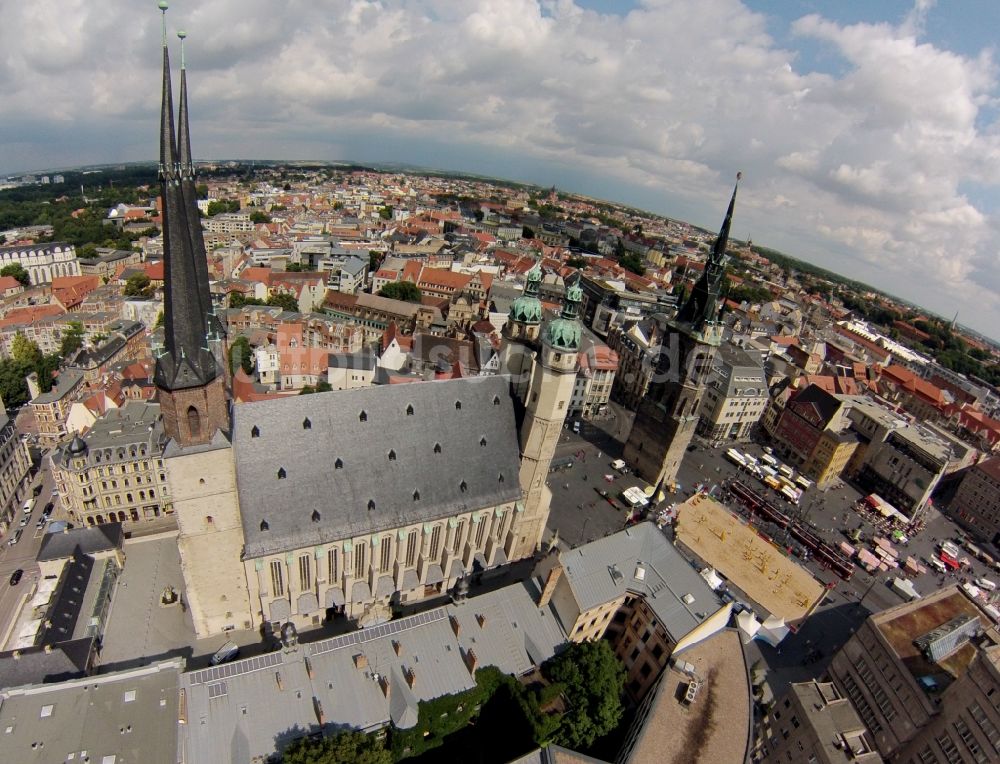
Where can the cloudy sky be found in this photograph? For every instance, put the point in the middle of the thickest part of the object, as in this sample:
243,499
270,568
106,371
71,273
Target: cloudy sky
867,130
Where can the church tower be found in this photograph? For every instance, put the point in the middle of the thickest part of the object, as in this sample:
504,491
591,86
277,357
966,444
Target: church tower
524,322
191,386
668,415
546,404
198,457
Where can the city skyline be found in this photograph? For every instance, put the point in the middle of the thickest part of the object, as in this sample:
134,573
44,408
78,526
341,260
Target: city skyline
869,142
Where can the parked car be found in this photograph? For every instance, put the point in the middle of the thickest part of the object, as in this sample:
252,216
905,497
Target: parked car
37,489
15,577
41,521
48,509
228,652
15,538
24,520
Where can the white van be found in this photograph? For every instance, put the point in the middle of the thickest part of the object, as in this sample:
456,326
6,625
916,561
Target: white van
985,583
618,465
29,505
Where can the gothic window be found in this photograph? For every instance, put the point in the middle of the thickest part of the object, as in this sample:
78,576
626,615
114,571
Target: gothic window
277,579
281,473
411,548
306,424
194,421
305,573
435,542
409,409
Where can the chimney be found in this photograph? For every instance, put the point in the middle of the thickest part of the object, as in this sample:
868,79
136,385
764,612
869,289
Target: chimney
397,646
309,667
411,677
550,586
471,661
455,626
383,682
277,679
360,661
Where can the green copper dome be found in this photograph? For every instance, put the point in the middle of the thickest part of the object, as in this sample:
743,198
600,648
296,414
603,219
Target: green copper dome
527,309
563,334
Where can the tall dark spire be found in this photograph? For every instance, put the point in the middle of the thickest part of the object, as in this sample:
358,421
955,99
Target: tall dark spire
190,192
702,306
186,361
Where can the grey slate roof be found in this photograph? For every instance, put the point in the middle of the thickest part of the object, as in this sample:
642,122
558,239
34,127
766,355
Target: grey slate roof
602,570
364,361
97,538
34,665
65,383
478,445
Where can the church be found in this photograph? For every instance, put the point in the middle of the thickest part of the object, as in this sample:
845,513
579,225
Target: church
350,502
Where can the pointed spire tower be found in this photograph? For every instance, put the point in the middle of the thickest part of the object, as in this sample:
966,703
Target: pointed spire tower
668,414
190,383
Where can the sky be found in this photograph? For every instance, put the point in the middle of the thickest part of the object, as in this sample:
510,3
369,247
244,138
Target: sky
868,131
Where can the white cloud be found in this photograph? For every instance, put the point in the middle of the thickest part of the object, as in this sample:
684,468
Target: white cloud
862,171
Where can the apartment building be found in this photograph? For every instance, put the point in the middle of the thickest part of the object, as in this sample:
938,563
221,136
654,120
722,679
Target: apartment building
595,378
15,471
735,396
51,409
977,501
114,473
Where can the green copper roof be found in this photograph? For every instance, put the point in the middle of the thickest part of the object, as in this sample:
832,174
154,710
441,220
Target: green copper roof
526,309
563,334
574,293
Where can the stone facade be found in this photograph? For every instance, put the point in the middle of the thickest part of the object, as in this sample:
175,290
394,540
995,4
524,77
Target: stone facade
43,262
193,415
15,475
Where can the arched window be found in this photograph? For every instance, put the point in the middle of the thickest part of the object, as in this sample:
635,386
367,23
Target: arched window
194,421
281,473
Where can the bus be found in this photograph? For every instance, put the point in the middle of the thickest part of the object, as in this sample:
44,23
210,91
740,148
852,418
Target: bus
769,460
803,482
736,457
790,494
787,471
772,482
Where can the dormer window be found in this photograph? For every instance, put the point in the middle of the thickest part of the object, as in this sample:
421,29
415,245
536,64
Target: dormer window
371,504
315,515
437,448
264,526
409,409
392,455
307,424
458,405
496,400
281,473
255,432
482,441
463,486
416,495
339,464
500,478
363,416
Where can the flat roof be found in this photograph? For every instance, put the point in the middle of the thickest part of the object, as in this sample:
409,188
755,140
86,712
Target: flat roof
128,716
755,566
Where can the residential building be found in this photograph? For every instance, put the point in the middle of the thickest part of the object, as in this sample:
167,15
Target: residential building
372,312
108,261
43,262
597,366
976,504
636,590
114,473
15,471
735,396
813,722
830,457
609,303
51,409
807,414
348,371
923,676
229,222
126,341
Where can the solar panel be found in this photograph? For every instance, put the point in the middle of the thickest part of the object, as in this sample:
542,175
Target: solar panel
377,632
217,690
237,668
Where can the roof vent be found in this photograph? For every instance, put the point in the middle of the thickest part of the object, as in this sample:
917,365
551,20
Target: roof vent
688,599
392,455
482,441
416,495
640,572
463,486
363,416
458,405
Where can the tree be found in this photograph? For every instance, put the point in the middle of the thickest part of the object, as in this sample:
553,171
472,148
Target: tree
284,301
374,260
241,356
342,748
632,262
406,291
385,212
238,300
87,251
319,387
137,285
159,320
259,217
295,267
592,679
72,339
17,271
218,206
576,262
24,351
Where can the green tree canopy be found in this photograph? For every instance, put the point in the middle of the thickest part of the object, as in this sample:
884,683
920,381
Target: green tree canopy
576,262
385,212
284,301
593,680
17,271
406,291
259,217
71,339
238,300
24,351
241,355
632,262
342,748
218,206
137,285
